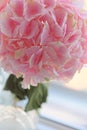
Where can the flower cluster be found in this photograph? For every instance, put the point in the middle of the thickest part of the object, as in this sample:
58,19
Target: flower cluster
42,39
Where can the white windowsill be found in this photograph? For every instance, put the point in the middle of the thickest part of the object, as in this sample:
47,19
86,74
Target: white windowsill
66,107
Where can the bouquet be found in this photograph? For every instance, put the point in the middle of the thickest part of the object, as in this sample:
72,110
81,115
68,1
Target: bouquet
41,40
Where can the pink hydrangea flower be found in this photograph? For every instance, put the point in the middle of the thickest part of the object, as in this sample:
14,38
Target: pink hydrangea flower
42,39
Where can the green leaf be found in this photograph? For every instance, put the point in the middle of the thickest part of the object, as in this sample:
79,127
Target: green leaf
14,85
37,96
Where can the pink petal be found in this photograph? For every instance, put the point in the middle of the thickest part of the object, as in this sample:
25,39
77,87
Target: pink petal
3,3
72,37
8,25
32,9
35,59
18,7
60,17
26,29
48,3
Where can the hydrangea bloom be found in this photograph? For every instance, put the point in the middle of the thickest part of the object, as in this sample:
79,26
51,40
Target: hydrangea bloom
42,39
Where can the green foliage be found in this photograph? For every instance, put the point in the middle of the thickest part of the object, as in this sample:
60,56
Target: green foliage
14,85
36,95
